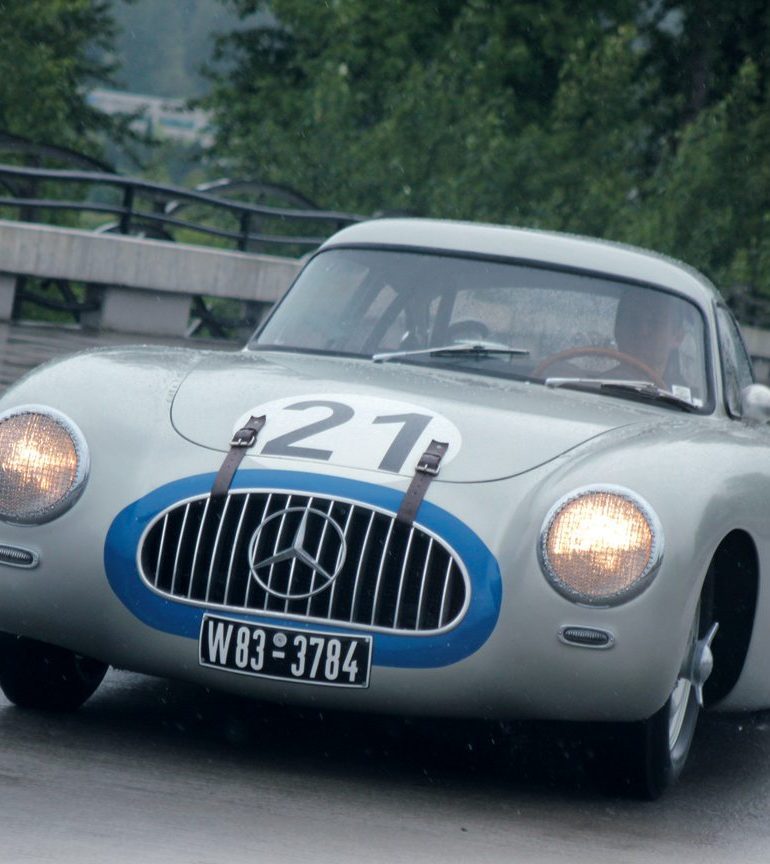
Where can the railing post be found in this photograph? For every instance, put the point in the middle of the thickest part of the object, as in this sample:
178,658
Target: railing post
128,209
243,240
7,295
29,190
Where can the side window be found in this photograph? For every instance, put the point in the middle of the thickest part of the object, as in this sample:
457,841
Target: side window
736,365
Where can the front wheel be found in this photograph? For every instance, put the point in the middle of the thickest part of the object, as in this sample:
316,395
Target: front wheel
648,756
46,677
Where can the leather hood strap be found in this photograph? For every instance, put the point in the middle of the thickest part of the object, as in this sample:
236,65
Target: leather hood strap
427,468
242,440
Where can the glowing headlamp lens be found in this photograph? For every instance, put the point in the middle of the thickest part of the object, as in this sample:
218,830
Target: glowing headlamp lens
43,464
598,546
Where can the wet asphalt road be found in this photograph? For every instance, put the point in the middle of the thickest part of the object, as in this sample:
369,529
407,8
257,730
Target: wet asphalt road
23,346
155,771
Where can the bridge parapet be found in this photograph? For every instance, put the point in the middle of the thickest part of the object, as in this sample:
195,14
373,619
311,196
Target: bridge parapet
146,285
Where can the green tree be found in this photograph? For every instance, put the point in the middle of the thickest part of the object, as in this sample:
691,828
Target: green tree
50,52
394,104
709,199
644,121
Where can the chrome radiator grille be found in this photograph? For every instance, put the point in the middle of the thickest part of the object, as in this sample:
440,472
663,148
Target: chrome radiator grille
390,576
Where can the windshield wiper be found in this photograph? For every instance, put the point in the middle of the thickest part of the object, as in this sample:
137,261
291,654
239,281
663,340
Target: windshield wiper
645,390
474,349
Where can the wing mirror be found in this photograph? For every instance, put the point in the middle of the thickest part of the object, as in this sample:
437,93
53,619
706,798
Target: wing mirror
755,403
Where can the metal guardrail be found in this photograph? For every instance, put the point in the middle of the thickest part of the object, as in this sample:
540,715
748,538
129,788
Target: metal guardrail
158,216
156,211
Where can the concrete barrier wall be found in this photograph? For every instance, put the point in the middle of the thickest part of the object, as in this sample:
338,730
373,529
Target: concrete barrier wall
147,284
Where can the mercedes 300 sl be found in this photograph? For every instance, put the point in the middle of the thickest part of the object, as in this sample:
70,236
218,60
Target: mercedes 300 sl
460,470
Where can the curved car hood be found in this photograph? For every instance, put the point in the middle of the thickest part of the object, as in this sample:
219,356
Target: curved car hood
498,428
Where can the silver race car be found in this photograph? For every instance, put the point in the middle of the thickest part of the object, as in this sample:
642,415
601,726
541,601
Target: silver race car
460,470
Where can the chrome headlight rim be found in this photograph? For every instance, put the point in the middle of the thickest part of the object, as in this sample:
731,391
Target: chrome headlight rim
640,584
83,470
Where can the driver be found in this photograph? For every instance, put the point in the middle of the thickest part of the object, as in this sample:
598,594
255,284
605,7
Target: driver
649,327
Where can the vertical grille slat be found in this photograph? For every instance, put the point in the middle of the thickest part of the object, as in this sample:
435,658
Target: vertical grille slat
276,549
392,577
215,549
201,528
445,593
161,546
402,577
423,583
179,546
378,584
318,556
333,590
246,501
359,570
292,572
251,582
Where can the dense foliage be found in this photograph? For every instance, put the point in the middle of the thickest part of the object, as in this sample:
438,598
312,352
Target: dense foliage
50,52
639,120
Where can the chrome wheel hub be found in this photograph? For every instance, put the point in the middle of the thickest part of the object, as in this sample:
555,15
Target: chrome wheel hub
679,701
696,669
700,663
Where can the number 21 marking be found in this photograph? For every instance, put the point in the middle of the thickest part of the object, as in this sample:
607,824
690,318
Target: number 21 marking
412,427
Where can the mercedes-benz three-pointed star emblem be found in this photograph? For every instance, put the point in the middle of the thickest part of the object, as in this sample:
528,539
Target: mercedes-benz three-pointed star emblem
297,551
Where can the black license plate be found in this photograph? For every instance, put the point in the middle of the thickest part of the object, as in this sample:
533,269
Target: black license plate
288,655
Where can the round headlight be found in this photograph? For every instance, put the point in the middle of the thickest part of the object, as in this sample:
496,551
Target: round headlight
601,545
43,464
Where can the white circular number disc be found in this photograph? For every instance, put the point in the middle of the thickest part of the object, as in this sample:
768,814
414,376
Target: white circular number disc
351,430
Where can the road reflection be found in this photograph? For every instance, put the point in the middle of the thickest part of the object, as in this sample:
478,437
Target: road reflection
24,346
189,763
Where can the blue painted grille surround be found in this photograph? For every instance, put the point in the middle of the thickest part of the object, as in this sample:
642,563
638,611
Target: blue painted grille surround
395,650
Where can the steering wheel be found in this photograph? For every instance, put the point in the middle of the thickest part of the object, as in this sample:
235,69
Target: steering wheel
610,353
467,330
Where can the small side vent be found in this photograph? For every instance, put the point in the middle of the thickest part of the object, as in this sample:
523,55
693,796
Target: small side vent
586,637
16,557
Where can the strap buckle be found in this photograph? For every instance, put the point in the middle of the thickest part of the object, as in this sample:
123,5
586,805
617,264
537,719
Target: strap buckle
429,463
244,437
426,468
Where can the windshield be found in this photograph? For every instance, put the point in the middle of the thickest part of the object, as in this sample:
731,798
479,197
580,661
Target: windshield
529,322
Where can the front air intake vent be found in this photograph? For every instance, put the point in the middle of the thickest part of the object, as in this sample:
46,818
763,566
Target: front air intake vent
302,556
587,637
16,557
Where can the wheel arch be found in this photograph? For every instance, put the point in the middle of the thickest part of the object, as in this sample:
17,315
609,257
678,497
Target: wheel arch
730,592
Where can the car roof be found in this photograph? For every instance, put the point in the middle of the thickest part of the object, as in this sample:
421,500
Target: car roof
522,244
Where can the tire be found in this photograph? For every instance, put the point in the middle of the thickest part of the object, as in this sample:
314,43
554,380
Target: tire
45,677
647,757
